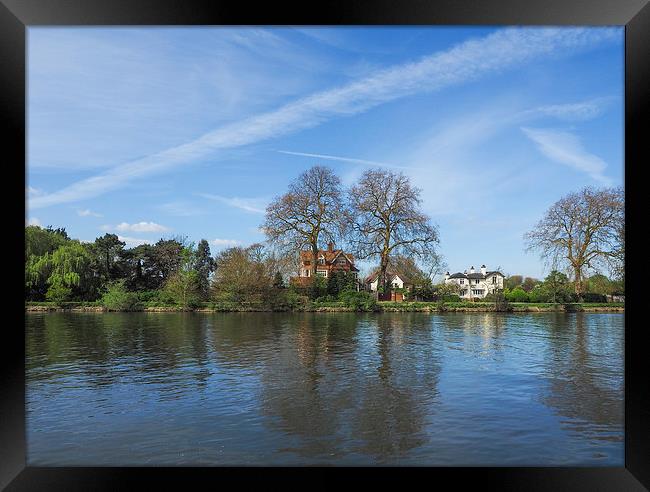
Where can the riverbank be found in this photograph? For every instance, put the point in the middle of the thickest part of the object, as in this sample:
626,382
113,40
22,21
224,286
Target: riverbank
462,307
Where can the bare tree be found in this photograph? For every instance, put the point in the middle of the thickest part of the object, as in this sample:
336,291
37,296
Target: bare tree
386,220
584,231
309,214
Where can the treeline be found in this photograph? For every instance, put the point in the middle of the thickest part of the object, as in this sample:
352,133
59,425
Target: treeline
557,288
171,272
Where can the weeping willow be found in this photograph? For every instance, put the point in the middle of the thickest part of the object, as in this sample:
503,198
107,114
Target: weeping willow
62,268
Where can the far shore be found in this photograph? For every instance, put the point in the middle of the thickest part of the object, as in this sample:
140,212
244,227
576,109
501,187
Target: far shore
386,307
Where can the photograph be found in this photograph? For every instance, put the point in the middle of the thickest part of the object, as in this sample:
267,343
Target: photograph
332,245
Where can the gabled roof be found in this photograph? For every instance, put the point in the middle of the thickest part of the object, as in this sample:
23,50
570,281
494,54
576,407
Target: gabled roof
391,276
477,275
330,256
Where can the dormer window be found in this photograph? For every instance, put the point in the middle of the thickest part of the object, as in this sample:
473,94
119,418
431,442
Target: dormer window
321,260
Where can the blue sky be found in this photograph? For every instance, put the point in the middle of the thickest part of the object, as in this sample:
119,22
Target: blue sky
153,132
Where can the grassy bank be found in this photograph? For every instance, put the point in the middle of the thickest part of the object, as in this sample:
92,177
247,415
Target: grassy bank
337,306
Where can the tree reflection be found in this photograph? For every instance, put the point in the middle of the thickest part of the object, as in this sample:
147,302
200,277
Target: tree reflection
338,394
584,371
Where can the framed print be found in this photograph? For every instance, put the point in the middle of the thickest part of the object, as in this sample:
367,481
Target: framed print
380,239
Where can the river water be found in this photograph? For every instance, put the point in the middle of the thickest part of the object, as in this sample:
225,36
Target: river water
324,388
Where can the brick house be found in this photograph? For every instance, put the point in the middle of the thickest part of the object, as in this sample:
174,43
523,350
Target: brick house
328,262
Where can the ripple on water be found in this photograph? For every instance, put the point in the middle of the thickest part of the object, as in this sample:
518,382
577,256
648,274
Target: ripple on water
338,388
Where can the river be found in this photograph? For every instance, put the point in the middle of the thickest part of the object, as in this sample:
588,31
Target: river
324,388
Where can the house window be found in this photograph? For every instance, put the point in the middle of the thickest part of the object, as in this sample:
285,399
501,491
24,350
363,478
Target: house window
494,279
477,292
321,273
463,293
476,281
307,273
462,281
321,260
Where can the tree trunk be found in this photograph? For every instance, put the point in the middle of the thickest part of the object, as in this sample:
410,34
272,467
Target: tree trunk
578,280
383,266
314,259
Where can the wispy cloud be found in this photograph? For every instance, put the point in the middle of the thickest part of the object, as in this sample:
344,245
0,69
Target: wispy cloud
254,205
32,192
465,62
88,213
180,208
33,221
580,111
345,159
566,148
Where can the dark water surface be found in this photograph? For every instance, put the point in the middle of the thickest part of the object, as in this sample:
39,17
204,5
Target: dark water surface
325,388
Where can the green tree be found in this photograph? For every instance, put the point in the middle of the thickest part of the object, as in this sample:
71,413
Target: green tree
600,284
529,283
278,281
118,298
183,285
66,271
204,267
239,278
558,287
167,256
107,250
513,281
39,241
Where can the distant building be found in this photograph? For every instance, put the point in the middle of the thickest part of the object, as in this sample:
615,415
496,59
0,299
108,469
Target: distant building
476,285
396,280
328,262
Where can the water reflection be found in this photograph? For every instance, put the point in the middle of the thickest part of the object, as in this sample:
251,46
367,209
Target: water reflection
342,388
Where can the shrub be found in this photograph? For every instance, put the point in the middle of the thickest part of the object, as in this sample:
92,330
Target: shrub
58,293
593,297
118,298
516,295
451,298
359,301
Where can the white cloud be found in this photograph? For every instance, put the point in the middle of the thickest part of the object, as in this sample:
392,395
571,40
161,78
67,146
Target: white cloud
34,221
141,227
254,205
134,241
566,148
224,243
467,61
136,227
88,213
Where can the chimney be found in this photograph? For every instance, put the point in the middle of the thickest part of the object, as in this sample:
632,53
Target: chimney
330,247
483,269
471,270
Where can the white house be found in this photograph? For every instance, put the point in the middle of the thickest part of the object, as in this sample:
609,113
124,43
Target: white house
475,285
396,281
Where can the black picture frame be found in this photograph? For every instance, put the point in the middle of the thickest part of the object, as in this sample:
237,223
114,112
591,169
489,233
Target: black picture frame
17,15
